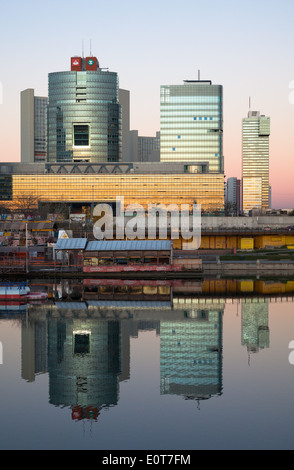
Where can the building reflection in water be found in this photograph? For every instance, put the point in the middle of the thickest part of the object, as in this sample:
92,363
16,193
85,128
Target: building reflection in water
84,345
85,348
191,353
83,363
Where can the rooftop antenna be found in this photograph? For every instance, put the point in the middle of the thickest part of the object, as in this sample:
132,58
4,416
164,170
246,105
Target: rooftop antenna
90,48
249,103
83,48
198,74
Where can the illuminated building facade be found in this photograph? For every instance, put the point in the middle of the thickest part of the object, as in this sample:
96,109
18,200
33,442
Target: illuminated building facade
255,161
140,183
191,123
84,114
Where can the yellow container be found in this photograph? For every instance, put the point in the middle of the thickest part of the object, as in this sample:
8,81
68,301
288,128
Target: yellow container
246,243
246,286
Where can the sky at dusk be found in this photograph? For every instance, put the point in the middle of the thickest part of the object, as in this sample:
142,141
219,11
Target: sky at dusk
248,47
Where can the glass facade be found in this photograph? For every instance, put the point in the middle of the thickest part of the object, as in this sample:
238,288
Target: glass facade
143,189
191,123
147,146
5,187
84,117
40,129
255,161
190,354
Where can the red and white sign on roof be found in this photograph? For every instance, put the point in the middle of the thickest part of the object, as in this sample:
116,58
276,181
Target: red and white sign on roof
76,63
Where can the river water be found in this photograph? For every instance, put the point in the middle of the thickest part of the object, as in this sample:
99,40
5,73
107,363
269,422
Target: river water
111,365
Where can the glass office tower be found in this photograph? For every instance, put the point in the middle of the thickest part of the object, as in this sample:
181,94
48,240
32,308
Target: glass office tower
255,161
191,123
84,114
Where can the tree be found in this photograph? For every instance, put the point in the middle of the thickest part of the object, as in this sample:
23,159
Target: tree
26,205
230,208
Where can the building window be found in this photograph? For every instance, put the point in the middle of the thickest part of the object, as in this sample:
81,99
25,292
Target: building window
81,135
81,343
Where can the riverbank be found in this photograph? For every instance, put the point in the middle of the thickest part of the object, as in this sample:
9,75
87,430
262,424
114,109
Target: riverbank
209,268
247,267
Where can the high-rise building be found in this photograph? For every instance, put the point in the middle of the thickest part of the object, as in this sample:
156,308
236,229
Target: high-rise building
255,161
143,148
33,124
191,123
233,195
84,114
124,101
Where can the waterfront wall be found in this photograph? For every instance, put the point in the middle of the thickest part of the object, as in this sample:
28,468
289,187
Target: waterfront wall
246,267
256,222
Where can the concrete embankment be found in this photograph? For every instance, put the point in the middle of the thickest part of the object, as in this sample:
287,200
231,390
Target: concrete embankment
248,267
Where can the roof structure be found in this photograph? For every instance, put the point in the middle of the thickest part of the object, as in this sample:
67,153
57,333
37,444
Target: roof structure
129,245
112,245
71,244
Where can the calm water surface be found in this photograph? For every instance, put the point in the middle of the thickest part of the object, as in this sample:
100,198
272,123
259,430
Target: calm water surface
149,367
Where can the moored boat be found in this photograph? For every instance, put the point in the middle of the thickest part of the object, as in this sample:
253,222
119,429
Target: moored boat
37,296
19,291
13,290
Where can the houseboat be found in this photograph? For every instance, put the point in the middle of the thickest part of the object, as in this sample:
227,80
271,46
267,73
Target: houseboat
19,291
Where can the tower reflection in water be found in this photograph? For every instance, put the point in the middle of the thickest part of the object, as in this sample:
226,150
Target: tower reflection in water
84,346
87,357
255,329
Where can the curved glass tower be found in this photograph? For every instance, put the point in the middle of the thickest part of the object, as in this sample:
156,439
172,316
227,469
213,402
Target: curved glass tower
84,114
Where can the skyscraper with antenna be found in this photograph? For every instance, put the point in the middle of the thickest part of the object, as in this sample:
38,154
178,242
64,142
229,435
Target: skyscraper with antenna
191,123
255,160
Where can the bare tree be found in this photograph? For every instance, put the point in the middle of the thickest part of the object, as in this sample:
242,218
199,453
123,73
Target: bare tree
26,204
